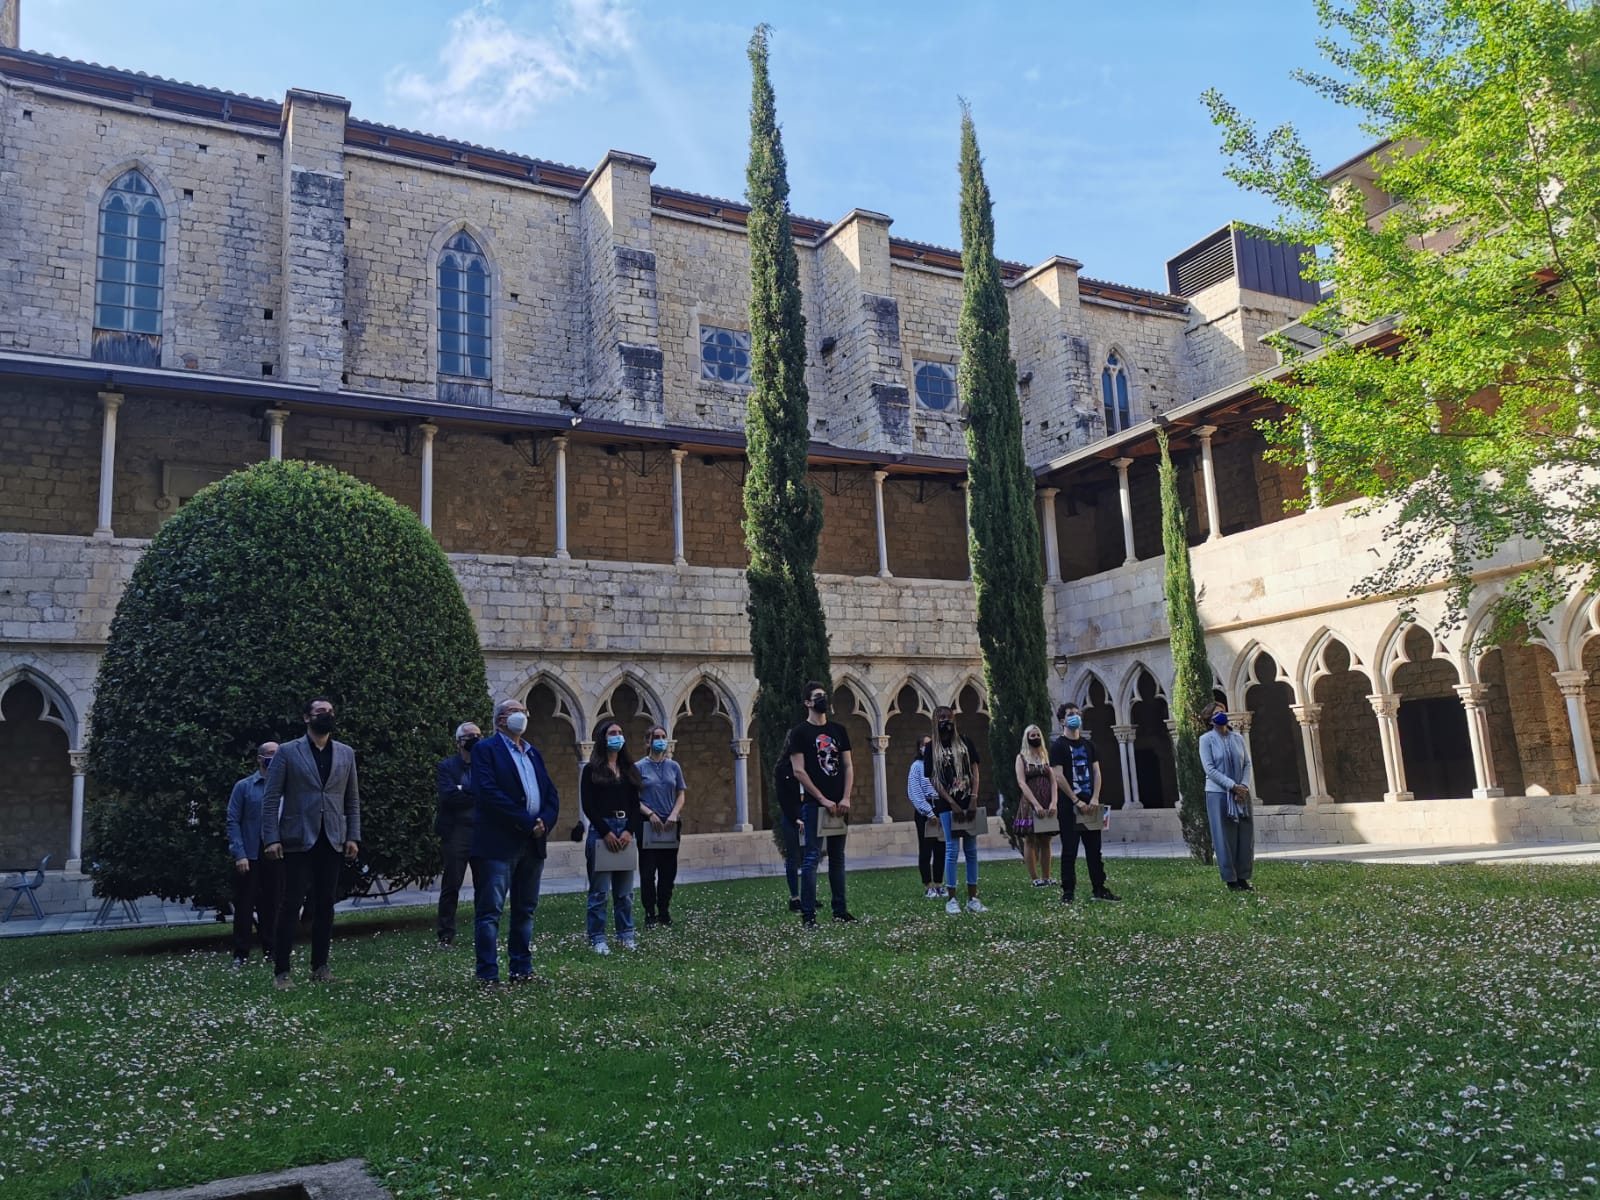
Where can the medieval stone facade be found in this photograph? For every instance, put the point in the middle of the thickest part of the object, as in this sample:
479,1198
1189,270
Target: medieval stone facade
572,434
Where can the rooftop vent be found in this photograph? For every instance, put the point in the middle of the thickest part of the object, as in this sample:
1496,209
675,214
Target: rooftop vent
1254,257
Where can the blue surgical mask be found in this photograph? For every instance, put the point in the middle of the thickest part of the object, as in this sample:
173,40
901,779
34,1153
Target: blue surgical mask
1219,719
614,742
266,765
1074,722
659,745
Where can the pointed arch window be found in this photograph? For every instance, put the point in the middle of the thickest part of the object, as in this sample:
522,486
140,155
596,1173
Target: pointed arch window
1114,393
129,258
465,309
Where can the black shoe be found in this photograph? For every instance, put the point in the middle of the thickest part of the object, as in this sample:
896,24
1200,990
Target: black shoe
446,942
1106,894
808,922
844,916
1233,886
488,985
1244,886
650,921
1066,897
528,978
666,920
794,904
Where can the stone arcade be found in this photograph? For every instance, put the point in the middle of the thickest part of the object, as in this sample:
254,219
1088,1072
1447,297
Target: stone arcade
550,366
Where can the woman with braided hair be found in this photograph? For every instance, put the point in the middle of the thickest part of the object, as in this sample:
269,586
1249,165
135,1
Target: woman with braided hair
951,765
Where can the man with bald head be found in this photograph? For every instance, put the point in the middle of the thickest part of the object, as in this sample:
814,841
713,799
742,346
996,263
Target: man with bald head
515,811
257,881
452,821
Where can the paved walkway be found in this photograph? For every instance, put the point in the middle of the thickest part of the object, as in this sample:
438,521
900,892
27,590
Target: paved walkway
154,912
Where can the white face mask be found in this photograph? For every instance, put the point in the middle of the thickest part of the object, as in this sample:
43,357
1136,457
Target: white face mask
517,723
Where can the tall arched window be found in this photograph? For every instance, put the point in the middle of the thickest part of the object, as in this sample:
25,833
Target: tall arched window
1114,394
133,228
464,309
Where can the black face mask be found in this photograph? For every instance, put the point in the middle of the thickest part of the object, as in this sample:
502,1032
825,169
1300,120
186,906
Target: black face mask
467,743
946,728
1033,741
820,704
322,723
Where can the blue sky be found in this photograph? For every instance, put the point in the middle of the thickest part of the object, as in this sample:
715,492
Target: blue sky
1095,143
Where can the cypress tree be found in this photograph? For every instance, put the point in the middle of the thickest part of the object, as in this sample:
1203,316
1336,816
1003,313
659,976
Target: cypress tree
782,507
1191,674
1005,527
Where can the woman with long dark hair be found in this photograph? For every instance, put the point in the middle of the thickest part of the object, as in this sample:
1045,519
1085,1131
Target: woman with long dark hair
608,790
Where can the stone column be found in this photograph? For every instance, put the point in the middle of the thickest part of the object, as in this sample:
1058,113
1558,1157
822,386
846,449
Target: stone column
1313,483
883,538
110,402
1047,525
561,497
585,749
966,511
429,430
741,786
1387,707
1241,723
80,767
275,419
1130,779
678,559
1126,494
1473,696
880,781
1310,718
1573,685
1208,473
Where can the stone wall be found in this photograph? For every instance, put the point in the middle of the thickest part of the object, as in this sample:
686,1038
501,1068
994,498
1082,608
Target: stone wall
49,459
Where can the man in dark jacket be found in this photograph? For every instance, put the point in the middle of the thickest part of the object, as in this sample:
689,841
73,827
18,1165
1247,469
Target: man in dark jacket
517,807
257,882
453,823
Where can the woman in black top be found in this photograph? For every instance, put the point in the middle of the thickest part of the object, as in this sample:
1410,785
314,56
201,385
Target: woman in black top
608,791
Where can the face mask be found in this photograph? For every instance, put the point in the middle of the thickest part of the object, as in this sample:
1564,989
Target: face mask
946,727
517,723
1033,741
1074,722
820,704
659,745
1219,719
467,743
266,765
614,742
322,723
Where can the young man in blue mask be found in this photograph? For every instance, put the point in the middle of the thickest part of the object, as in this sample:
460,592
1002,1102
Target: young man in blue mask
1077,770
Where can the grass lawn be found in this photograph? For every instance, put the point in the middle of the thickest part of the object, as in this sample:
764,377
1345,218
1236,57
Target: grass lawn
1351,1031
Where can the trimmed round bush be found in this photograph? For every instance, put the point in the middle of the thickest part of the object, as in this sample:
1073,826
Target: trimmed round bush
281,582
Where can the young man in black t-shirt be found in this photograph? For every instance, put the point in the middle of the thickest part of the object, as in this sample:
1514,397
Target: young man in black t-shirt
1077,771
818,751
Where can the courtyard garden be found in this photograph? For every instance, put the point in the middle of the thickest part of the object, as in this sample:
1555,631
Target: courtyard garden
1350,1031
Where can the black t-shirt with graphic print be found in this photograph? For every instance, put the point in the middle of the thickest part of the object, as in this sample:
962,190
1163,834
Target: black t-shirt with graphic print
1076,758
824,747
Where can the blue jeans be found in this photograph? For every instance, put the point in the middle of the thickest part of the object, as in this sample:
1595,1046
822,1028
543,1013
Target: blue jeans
492,878
791,855
812,845
620,885
952,851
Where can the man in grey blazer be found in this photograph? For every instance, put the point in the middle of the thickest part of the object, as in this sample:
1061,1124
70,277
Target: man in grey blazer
310,817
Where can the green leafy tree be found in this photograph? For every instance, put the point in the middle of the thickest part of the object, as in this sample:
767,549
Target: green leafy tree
1477,429
782,507
278,583
1005,527
1192,679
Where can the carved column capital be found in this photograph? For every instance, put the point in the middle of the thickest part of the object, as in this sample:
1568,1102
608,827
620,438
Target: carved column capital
1307,714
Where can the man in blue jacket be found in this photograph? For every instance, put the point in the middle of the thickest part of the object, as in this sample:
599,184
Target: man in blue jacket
257,882
452,821
517,806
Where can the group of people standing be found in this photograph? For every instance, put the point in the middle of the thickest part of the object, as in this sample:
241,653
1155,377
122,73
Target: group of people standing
294,821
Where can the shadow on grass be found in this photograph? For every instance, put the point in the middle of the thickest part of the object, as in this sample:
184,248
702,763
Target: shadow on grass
219,939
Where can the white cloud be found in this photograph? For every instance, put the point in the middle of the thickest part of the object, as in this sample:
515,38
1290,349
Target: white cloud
494,76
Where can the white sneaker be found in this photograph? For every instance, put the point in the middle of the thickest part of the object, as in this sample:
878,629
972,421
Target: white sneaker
629,944
953,907
930,893
601,948
976,906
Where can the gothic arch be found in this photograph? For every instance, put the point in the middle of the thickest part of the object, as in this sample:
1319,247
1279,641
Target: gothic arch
1313,666
1127,694
1393,653
866,700
172,216
568,707
727,700
58,710
1242,677
976,684
926,697
1077,692
649,699
486,248
1576,622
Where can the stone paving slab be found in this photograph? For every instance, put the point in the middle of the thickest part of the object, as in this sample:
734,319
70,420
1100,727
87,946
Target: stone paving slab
156,913
344,1180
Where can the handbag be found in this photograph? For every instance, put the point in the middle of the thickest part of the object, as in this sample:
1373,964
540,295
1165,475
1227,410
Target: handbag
830,824
666,839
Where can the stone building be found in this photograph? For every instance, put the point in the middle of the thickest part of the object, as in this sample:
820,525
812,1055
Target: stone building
550,366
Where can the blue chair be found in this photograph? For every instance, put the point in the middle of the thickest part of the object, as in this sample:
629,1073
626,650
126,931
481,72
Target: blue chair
26,887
